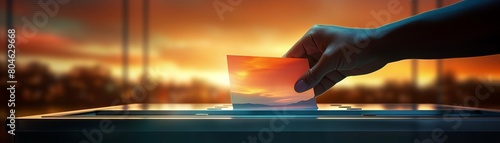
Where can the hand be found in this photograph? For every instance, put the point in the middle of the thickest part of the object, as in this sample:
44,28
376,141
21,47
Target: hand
335,53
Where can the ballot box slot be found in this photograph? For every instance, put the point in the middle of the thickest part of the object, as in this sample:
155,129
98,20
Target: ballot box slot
256,113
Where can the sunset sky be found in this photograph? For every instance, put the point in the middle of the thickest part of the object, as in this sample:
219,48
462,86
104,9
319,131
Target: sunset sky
188,39
270,81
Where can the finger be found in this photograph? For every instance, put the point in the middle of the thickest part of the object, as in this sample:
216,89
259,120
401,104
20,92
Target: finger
303,48
297,51
328,81
313,76
319,89
336,76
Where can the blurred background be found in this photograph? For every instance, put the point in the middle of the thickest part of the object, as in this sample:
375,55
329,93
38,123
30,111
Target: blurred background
93,53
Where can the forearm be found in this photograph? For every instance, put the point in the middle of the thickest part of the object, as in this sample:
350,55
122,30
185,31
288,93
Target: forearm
465,29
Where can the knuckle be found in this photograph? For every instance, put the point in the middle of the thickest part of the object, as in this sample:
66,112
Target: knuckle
311,76
315,29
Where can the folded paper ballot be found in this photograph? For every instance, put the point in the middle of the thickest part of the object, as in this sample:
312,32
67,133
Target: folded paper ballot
263,83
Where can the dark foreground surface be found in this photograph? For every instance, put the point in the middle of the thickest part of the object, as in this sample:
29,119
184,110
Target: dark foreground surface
220,123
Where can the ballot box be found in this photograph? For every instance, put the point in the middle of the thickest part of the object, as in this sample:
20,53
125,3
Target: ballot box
218,123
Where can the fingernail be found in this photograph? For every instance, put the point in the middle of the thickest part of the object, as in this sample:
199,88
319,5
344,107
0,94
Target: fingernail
300,86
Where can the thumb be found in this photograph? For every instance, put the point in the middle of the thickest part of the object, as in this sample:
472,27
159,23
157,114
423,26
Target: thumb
313,76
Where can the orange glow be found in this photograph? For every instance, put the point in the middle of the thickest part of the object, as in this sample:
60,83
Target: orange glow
188,40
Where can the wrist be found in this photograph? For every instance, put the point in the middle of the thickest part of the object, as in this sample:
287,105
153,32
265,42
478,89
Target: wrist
381,47
386,46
